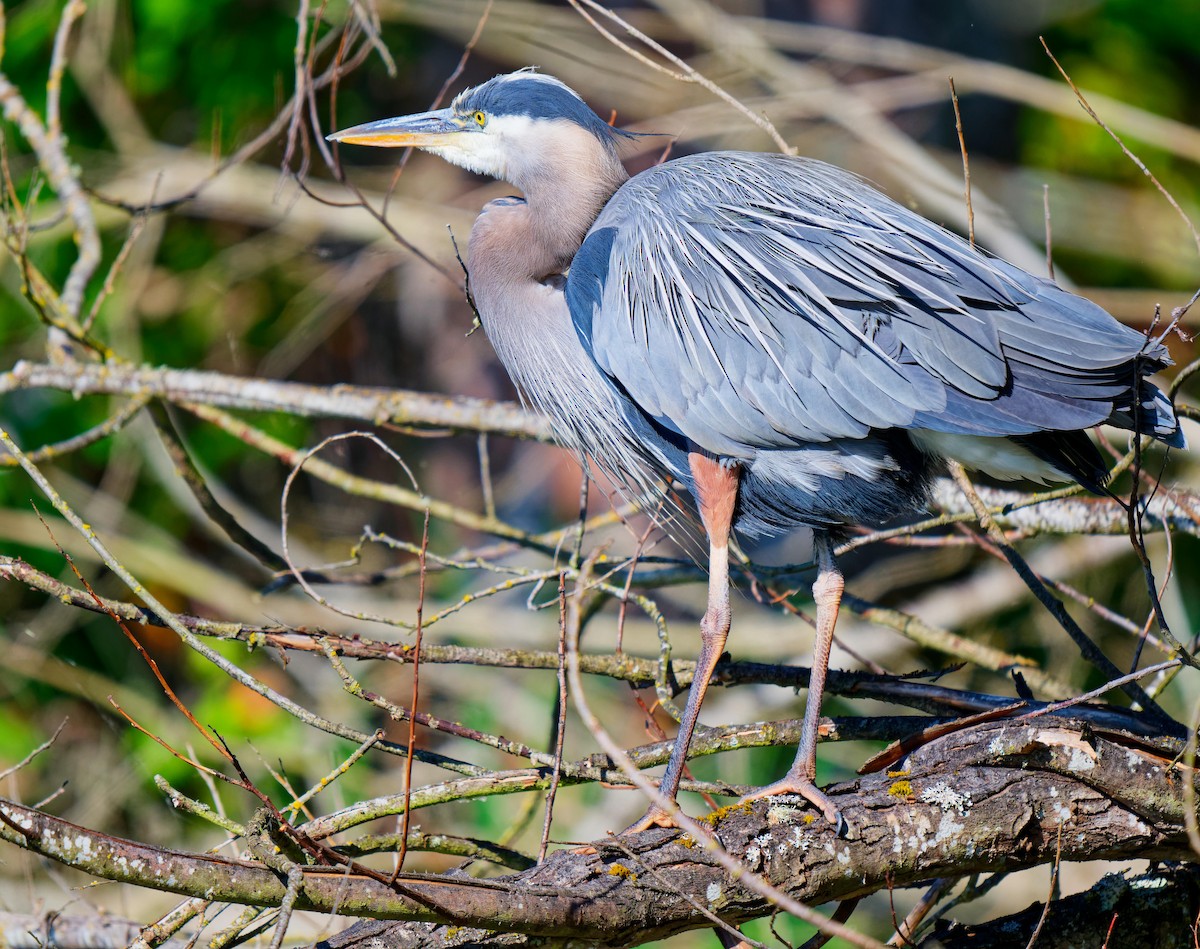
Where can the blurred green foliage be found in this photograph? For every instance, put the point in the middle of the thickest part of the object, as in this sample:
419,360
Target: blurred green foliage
1143,54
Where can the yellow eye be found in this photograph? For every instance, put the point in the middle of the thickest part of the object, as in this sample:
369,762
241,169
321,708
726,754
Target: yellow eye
480,119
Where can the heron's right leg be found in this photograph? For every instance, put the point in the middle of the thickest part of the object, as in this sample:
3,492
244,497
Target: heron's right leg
801,777
716,490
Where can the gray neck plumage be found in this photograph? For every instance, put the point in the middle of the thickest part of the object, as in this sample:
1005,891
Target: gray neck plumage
519,251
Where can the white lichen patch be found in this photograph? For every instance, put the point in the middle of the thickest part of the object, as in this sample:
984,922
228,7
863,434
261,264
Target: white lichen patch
799,841
1080,760
997,746
783,813
764,842
948,827
948,799
1149,883
21,820
713,893
752,857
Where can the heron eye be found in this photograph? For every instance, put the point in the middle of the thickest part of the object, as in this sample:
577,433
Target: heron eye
480,119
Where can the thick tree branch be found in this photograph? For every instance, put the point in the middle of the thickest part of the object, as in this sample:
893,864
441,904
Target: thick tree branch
990,798
1156,909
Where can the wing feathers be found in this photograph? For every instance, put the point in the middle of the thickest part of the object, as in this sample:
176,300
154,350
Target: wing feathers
757,301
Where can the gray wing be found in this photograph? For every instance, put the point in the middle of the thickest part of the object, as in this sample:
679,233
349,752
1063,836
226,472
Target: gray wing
752,301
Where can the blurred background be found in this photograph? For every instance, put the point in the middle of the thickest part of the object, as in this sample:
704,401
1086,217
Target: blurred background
269,270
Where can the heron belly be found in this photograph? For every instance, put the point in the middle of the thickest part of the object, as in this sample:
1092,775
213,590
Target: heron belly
998,457
834,484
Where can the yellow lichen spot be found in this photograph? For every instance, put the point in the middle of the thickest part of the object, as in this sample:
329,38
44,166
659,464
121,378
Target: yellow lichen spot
901,789
686,841
899,774
810,818
451,933
741,807
622,871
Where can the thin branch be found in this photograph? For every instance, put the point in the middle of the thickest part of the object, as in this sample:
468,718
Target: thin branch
1125,148
966,161
1088,648
683,72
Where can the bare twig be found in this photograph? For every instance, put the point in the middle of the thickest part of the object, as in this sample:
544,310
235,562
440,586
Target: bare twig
682,71
1125,148
966,161
560,723
1089,649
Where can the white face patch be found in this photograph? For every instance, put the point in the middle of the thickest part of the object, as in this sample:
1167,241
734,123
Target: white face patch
492,149
516,148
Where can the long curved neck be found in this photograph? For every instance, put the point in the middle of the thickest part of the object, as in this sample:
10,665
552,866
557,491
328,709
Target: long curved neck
512,259
566,179
514,267
517,251
561,214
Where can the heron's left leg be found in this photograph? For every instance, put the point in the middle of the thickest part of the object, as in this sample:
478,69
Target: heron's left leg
801,777
716,491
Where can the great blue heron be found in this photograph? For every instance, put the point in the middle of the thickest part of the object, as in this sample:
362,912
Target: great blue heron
772,333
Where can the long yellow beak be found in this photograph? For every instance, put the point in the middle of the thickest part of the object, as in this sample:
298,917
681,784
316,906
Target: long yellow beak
420,131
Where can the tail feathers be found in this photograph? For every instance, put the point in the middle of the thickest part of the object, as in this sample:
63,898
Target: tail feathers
1153,415
1159,419
1075,455
1072,453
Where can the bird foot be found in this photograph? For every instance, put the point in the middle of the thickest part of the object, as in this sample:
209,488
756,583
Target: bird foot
798,784
654,817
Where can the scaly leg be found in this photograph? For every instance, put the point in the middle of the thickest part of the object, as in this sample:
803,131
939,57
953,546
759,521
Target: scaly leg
800,779
716,490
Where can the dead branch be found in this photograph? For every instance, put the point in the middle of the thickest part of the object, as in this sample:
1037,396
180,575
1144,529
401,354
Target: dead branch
638,672
1013,510
375,405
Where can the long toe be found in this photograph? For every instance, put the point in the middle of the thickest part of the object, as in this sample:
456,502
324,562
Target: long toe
654,817
797,784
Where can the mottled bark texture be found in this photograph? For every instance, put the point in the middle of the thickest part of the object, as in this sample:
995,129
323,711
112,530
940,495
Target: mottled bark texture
997,797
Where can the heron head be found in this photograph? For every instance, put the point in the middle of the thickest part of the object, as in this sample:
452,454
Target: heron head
514,127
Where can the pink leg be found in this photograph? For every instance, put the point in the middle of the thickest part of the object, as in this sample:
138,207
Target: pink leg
716,490
800,779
